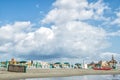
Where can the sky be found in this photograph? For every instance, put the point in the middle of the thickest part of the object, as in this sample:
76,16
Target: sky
60,30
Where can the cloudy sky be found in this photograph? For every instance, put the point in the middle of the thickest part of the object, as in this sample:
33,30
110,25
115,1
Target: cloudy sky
61,30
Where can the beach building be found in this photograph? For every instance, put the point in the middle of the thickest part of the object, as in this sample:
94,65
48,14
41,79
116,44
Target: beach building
51,65
13,61
100,64
85,66
0,64
91,65
57,65
66,65
61,65
40,64
104,64
45,65
112,62
117,66
78,66
4,64
29,63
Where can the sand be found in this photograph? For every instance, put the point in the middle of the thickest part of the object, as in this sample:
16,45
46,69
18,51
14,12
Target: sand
42,73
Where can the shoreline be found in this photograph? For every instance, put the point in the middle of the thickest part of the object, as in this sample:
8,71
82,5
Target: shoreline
45,73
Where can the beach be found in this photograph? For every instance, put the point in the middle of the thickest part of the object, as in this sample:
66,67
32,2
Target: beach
43,73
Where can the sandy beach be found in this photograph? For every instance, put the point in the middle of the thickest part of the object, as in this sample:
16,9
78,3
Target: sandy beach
42,73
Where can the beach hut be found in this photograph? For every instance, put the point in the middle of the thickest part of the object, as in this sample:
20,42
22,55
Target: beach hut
4,64
57,65
36,64
0,64
51,65
85,66
72,66
21,63
13,61
66,65
91,65
78,65
45,64
117,66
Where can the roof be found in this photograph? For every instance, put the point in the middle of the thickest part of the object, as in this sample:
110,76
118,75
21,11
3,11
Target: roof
66,63
58,63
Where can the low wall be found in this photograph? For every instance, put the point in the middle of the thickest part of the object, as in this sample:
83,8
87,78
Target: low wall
17,68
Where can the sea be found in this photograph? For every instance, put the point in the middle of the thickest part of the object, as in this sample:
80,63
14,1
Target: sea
84,77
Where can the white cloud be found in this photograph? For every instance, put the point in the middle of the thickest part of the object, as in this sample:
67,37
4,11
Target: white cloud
117,20
37,41
6,47
117,33
8,31
72,39
10,34
80,39
66,4
68,10
68,37
77,38
99,7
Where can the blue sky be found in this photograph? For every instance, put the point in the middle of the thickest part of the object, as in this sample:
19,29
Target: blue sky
63,30
24,10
